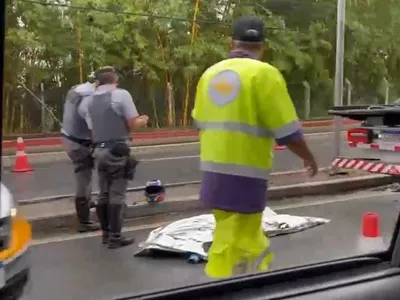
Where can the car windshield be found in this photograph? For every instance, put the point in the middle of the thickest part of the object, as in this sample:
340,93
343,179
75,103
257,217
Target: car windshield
134,145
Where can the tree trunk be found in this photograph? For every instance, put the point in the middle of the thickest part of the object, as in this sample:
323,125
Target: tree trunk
80,52
188,81
21,118
6,119
12,119
169,104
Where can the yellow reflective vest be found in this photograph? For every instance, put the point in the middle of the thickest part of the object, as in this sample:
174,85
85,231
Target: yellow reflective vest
241,106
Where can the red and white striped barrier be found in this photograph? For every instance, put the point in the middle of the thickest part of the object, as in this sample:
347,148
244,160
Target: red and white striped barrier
368,166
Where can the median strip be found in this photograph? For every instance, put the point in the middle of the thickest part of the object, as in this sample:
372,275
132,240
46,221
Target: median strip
48,215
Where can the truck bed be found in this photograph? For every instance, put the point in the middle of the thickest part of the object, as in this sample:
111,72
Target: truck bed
370,115
374,146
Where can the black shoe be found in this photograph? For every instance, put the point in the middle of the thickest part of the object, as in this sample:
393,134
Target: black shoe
83,214
88,227
102,216
116,239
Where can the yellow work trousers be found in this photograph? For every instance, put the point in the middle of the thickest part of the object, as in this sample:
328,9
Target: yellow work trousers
239,245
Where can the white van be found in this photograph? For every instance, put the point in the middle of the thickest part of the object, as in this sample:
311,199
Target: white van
15,238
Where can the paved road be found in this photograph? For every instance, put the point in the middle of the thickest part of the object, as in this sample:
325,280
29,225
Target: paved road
175,166
82,269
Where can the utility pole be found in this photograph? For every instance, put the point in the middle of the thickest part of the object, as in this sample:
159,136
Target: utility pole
338,92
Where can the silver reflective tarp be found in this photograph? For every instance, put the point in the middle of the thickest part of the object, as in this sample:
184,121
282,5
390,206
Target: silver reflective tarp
191,234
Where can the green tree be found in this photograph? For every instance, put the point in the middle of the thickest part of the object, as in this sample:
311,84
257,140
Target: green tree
162,47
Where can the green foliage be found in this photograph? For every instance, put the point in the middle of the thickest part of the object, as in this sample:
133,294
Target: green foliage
150,42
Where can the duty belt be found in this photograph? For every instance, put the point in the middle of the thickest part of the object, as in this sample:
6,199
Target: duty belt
107,144
83,142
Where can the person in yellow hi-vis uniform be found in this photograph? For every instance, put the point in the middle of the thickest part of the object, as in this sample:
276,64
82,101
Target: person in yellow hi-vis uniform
242,105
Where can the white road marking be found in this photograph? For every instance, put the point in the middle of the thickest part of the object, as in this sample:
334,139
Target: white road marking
135,148
68,237
180,145
169,158
195,143
336,199
321,133
165,145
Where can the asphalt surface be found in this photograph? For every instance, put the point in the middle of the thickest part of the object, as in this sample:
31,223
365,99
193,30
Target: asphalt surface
83,269
178,165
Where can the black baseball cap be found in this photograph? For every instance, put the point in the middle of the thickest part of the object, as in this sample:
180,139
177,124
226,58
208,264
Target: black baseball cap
248,29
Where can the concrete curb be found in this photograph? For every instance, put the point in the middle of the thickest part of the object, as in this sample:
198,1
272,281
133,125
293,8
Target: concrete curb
62,197
70,196
176,205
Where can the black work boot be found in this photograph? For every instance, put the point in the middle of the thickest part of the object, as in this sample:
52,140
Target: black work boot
82,207
102,216
115,217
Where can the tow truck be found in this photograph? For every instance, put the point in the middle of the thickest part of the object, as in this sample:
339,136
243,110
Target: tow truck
15,238
374,145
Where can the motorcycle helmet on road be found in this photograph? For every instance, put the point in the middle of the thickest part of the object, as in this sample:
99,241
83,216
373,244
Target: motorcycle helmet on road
154,191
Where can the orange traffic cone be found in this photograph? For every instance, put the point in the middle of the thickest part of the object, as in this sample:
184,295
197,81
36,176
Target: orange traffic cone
21,161
276,147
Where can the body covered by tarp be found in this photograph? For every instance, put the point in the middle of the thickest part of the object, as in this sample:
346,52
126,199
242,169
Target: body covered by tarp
192,235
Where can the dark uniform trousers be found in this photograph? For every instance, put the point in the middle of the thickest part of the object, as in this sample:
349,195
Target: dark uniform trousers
82,159
112,180
113,183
